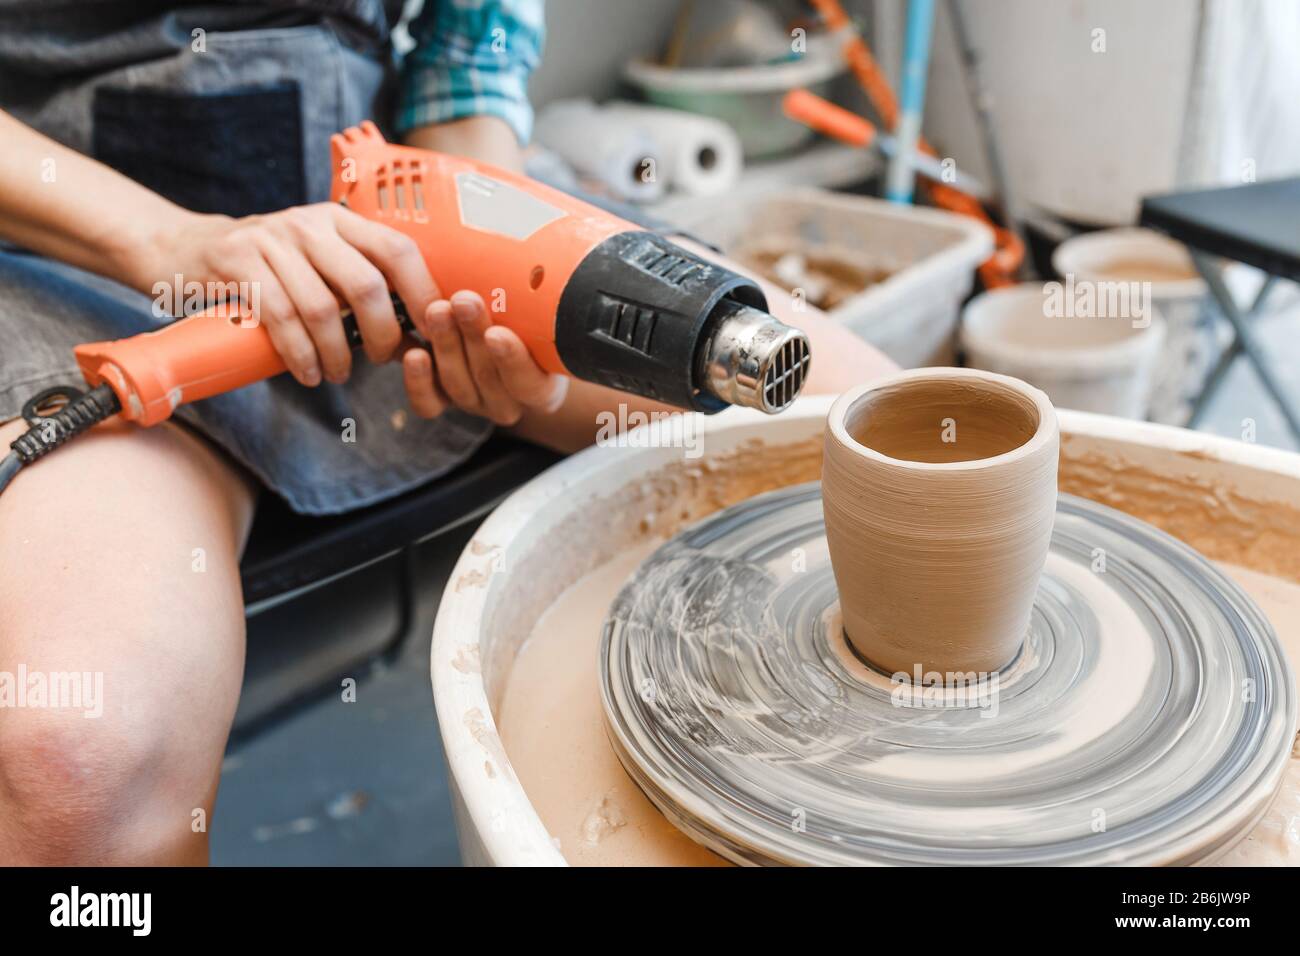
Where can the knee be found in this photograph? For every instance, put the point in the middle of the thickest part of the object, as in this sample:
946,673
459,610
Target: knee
75,790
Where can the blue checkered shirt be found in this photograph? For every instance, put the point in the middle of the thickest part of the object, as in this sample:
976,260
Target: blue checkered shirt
471,58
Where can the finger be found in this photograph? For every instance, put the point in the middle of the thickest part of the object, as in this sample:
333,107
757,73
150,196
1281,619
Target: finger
449,356
417,371
527,381
276,313
365,290
471,318
396,255
317,308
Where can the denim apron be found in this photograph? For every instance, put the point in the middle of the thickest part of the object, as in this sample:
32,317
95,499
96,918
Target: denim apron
235,121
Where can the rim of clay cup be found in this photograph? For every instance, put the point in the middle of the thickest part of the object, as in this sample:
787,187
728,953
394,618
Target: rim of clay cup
1042,404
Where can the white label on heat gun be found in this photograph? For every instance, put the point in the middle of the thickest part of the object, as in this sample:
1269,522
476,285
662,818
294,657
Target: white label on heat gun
494,206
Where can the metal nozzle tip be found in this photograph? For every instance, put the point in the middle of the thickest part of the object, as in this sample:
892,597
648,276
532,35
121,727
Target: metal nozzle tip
755,360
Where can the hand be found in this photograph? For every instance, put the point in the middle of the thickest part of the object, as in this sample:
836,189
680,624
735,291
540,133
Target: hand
481,368
305,261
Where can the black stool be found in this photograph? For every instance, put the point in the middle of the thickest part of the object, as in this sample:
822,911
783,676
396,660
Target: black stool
1256,224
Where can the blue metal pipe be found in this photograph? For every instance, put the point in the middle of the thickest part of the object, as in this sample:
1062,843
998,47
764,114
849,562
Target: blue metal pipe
900,177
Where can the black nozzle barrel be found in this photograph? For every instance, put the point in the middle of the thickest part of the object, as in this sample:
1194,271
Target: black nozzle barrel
642,315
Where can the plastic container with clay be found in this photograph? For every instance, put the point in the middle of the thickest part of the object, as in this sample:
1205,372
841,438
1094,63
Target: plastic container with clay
916,265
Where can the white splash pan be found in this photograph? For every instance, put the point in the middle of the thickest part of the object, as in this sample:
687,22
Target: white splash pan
598,502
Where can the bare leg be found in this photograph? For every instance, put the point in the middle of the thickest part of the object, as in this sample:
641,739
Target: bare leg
119,557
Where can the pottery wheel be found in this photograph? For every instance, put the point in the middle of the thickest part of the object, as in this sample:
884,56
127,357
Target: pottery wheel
1146,720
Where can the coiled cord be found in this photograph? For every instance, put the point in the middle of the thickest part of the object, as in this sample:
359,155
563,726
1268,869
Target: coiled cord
81,413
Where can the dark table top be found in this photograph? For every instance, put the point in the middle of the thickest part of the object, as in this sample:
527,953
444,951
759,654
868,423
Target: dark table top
1256,223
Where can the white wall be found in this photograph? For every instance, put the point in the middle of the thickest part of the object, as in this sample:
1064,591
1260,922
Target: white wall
1083,133
588,41
1244,119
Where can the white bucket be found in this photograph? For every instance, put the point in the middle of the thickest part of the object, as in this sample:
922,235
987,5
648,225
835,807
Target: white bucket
1178,294
528,552
1095,363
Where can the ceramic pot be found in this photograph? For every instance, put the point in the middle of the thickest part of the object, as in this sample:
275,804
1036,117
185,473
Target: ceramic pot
939,488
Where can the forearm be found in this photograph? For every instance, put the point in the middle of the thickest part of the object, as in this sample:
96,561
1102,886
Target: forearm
64,205
485,138
840,359
577,422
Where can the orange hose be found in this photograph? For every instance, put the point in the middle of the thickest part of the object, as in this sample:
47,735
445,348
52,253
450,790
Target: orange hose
828,119
1009,252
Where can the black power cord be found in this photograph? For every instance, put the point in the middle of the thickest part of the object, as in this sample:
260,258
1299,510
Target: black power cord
9,466
82,411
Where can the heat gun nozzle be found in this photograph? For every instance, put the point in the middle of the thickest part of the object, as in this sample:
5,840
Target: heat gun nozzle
752,359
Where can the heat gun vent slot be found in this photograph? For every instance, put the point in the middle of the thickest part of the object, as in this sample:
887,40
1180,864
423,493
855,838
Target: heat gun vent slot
403,184
399,187
629,323
784,377
674,270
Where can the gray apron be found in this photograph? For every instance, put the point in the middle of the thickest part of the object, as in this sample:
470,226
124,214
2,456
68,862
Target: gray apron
238,122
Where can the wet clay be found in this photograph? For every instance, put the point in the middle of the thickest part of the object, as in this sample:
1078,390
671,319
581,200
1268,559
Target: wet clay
827,277
654,509
552,726
553,729
939,490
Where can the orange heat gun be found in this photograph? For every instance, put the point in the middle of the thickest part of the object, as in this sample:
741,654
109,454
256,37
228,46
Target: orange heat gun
591,295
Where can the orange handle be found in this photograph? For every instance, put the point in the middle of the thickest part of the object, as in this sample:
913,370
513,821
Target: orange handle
828,119
197,357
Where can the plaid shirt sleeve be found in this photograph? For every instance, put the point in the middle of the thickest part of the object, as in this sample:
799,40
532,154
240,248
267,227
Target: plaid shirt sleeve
471,58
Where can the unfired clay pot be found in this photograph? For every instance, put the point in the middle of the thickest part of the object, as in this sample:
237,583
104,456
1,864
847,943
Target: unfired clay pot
939,488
